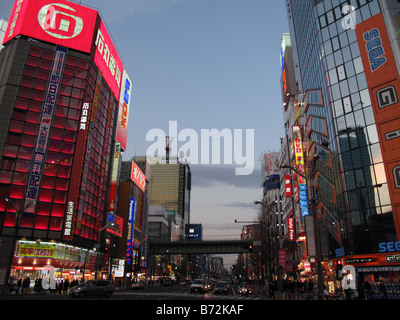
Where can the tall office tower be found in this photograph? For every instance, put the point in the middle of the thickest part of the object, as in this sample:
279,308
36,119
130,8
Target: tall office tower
170,187
348,79
64,98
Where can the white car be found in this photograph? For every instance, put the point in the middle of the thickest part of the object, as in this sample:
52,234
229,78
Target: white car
199,285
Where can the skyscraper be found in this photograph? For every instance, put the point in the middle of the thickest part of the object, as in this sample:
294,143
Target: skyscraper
345,55
64,98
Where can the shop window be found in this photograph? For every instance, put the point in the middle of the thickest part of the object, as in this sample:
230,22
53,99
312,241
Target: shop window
45,64
58,210
33,117
68,148
35,106
17,192
59,123
70,136
60,197
75,104
19,115
57,134
16,126
67,80
29,71
38,95
27,221
56,224
62,184
7,164
50,170
63,101
43,74
48,182
20,178
27,81
69,71
9,219
66,160
21,103
79,83
72,125
64,172
35,51
24,92
22,165
61,112
71,61
28,141
46,195
65,90
25,153
47,54
81,73
53,158
43,209
83,64
77,93
74,114
32,61
10,151
14,139
30,129
41,84
5,176
41,222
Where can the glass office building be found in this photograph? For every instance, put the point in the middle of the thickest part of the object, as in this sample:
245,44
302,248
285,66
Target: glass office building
350,101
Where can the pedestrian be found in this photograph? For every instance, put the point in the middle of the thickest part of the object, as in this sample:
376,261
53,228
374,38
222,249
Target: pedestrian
60,286
19,286
382,289
367,290
66,285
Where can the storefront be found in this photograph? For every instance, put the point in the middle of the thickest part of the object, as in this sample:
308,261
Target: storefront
69,262
374,268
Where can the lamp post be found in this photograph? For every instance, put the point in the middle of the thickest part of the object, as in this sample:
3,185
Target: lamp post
317,236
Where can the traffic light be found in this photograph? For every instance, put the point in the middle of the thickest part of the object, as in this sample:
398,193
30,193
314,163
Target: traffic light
250,248
339,264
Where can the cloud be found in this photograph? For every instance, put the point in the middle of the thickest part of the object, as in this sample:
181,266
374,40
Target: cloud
212,175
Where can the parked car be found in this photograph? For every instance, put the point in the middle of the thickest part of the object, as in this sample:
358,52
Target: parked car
93,288
199,285
222,287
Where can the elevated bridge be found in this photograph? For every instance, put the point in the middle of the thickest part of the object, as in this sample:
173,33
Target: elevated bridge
201,247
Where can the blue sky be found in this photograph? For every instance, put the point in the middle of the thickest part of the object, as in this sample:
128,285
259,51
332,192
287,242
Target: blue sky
205,64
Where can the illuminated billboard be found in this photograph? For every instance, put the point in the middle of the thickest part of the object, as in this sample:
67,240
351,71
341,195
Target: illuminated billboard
70,25
123,112
138,177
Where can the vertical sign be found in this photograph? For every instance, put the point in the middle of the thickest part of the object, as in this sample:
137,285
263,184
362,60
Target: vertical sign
46,121
114,177
138,177
123,112
383,81
129,237
288,187
291,228
299,157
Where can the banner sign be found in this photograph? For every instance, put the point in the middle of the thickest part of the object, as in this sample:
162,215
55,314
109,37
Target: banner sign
46,121
129,237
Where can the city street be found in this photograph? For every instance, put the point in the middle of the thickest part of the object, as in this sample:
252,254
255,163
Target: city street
151,293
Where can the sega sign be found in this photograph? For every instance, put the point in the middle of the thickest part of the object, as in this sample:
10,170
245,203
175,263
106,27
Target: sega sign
70,25
376,52
393,246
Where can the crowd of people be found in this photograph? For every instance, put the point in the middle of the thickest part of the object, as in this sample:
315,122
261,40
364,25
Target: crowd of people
22,285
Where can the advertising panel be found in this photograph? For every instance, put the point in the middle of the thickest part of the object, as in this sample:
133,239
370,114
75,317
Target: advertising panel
384,86
129,236
46,121
70,25
299,158
60,22
194,232
114,225
114,177
123,112
138,177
